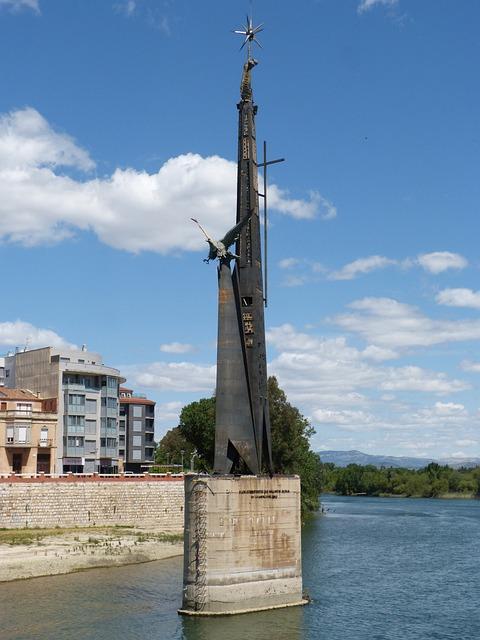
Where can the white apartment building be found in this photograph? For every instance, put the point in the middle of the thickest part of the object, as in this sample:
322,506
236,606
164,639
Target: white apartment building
87,394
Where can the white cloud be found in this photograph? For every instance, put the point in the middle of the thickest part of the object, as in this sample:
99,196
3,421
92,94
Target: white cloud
366,5
172,376
18,5
27,141
310,367
294,281
466,443
391,324
20,334
473,367
301,209
440,261
176,347
459,298
127,8
288,263
168,412
372,352
449,408
38,205
361,266
351,420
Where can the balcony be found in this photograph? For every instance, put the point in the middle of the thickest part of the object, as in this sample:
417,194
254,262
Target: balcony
17,413
11,442
76,409
108,452
75,452
45,443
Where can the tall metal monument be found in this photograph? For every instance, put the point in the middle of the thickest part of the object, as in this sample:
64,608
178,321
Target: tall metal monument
242,542
242,430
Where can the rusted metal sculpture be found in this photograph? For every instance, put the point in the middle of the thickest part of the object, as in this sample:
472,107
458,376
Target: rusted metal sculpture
242,422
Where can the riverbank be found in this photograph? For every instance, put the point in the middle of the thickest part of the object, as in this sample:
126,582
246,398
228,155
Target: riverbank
443,496
30,553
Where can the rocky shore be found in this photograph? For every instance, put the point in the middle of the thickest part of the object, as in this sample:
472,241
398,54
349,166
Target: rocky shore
29,553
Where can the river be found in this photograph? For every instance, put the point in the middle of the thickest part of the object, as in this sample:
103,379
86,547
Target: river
376,569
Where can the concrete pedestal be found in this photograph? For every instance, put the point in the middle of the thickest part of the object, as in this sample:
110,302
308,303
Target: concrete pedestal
242,544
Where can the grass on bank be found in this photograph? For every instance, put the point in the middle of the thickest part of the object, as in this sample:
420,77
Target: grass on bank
35,535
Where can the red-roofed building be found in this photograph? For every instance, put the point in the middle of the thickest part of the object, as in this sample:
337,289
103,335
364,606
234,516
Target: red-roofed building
136,430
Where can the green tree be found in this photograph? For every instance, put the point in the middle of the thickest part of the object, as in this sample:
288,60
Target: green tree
290,441
197,426
169,449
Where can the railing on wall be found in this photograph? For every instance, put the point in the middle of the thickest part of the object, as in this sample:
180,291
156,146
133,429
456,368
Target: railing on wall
90,476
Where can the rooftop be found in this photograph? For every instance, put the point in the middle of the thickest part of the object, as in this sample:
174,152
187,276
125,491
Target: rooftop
17,394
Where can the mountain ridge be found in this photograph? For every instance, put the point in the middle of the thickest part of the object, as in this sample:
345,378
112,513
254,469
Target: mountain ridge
344,458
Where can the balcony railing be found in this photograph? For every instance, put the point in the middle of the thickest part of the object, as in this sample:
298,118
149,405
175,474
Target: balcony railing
11,442
18,413
45,443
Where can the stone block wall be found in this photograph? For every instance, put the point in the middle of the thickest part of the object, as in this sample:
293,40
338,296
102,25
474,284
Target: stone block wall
143,501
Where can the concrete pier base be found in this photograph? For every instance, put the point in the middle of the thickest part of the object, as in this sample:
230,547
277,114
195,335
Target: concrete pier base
242,544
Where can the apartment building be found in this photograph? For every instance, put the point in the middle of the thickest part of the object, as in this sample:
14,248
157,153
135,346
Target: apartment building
87,394
136,435
28,428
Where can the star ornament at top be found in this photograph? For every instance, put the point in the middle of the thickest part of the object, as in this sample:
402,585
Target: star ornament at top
250,32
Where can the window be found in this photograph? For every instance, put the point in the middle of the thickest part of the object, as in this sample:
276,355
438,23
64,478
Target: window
137,425
43,434
137,441
64,359
75,399
76,420
90,406
112,423
112,403
24,407
9,435
137,454
75,441
111,383
90,427
90,447
137,411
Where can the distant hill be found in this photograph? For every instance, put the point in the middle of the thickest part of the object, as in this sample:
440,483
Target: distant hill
344,458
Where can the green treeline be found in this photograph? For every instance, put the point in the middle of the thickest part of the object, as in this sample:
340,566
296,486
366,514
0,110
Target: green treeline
431,482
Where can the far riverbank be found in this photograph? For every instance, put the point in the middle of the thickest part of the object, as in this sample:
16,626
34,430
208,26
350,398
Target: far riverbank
445,496
30,553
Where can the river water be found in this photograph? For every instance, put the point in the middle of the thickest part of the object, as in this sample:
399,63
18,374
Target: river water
376,568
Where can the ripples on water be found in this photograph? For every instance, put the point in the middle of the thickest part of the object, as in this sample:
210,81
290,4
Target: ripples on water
376,568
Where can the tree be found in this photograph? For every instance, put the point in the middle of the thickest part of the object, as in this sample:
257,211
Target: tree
170,447
197,426
291,433
290,441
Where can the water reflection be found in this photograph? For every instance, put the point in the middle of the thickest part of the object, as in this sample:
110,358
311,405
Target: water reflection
280,624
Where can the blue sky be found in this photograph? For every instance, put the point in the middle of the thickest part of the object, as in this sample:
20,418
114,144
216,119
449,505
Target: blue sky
118,122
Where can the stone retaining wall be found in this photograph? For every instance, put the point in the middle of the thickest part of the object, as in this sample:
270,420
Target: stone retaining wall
72,501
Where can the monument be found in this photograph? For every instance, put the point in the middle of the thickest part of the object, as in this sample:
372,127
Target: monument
242,524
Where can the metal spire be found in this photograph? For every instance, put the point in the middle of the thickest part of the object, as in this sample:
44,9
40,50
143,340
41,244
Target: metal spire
250,33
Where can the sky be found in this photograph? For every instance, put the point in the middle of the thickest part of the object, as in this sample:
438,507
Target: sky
118,123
